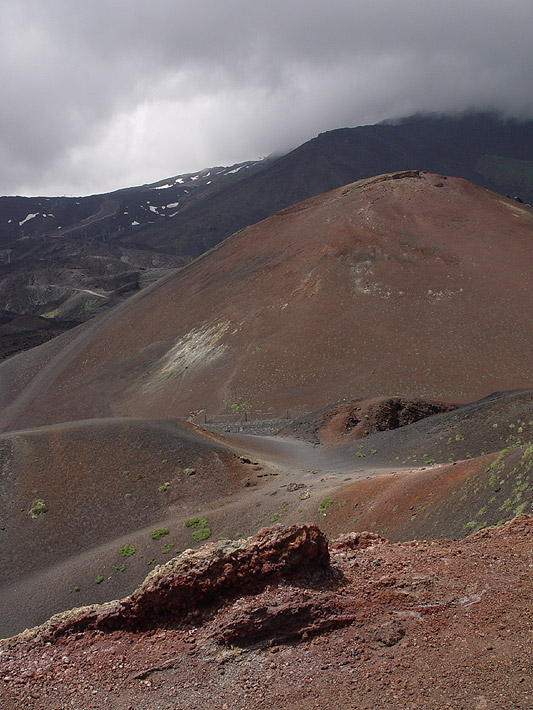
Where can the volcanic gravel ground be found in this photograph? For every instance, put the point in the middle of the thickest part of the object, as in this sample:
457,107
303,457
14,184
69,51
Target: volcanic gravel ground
433,624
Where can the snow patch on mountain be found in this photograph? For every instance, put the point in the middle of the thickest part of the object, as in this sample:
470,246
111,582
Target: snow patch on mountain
31,215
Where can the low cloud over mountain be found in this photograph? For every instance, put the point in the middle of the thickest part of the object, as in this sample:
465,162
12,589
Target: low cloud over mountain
102,95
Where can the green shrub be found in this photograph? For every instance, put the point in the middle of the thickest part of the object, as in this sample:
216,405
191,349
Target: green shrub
159,533
196,522
324,505
201,534
202,531
126,550
99,579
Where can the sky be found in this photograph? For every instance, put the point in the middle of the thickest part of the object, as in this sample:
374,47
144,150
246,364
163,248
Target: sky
105,94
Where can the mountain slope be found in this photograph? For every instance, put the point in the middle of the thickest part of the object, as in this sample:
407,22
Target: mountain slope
108,499
171,221
84,499
407,283
479,147
71,258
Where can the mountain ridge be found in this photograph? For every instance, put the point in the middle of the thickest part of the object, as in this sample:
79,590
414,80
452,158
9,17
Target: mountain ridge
138,234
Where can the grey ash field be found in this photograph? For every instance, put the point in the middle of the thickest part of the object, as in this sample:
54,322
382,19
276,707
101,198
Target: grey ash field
94,493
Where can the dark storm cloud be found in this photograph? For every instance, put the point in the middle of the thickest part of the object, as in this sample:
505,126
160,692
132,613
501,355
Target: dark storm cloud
108,93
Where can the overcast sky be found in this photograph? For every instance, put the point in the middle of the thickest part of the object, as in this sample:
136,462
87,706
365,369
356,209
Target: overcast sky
103,94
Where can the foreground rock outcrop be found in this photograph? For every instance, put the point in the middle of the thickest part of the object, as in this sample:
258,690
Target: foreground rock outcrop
278,621
198,579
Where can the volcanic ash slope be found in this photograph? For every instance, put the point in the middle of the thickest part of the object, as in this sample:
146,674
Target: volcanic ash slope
408,283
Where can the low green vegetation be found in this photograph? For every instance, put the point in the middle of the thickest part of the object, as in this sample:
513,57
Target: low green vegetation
99,579
51,314
196,523
489,496
159,533
168,547
281,510
324,504
201,530
201,534
242,406
90,304
126,550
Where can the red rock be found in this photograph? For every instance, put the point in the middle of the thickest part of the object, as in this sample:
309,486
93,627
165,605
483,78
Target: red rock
196,579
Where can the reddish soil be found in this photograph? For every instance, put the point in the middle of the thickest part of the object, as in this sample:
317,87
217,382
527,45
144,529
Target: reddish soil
433,624
400,283
437,501
354,420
